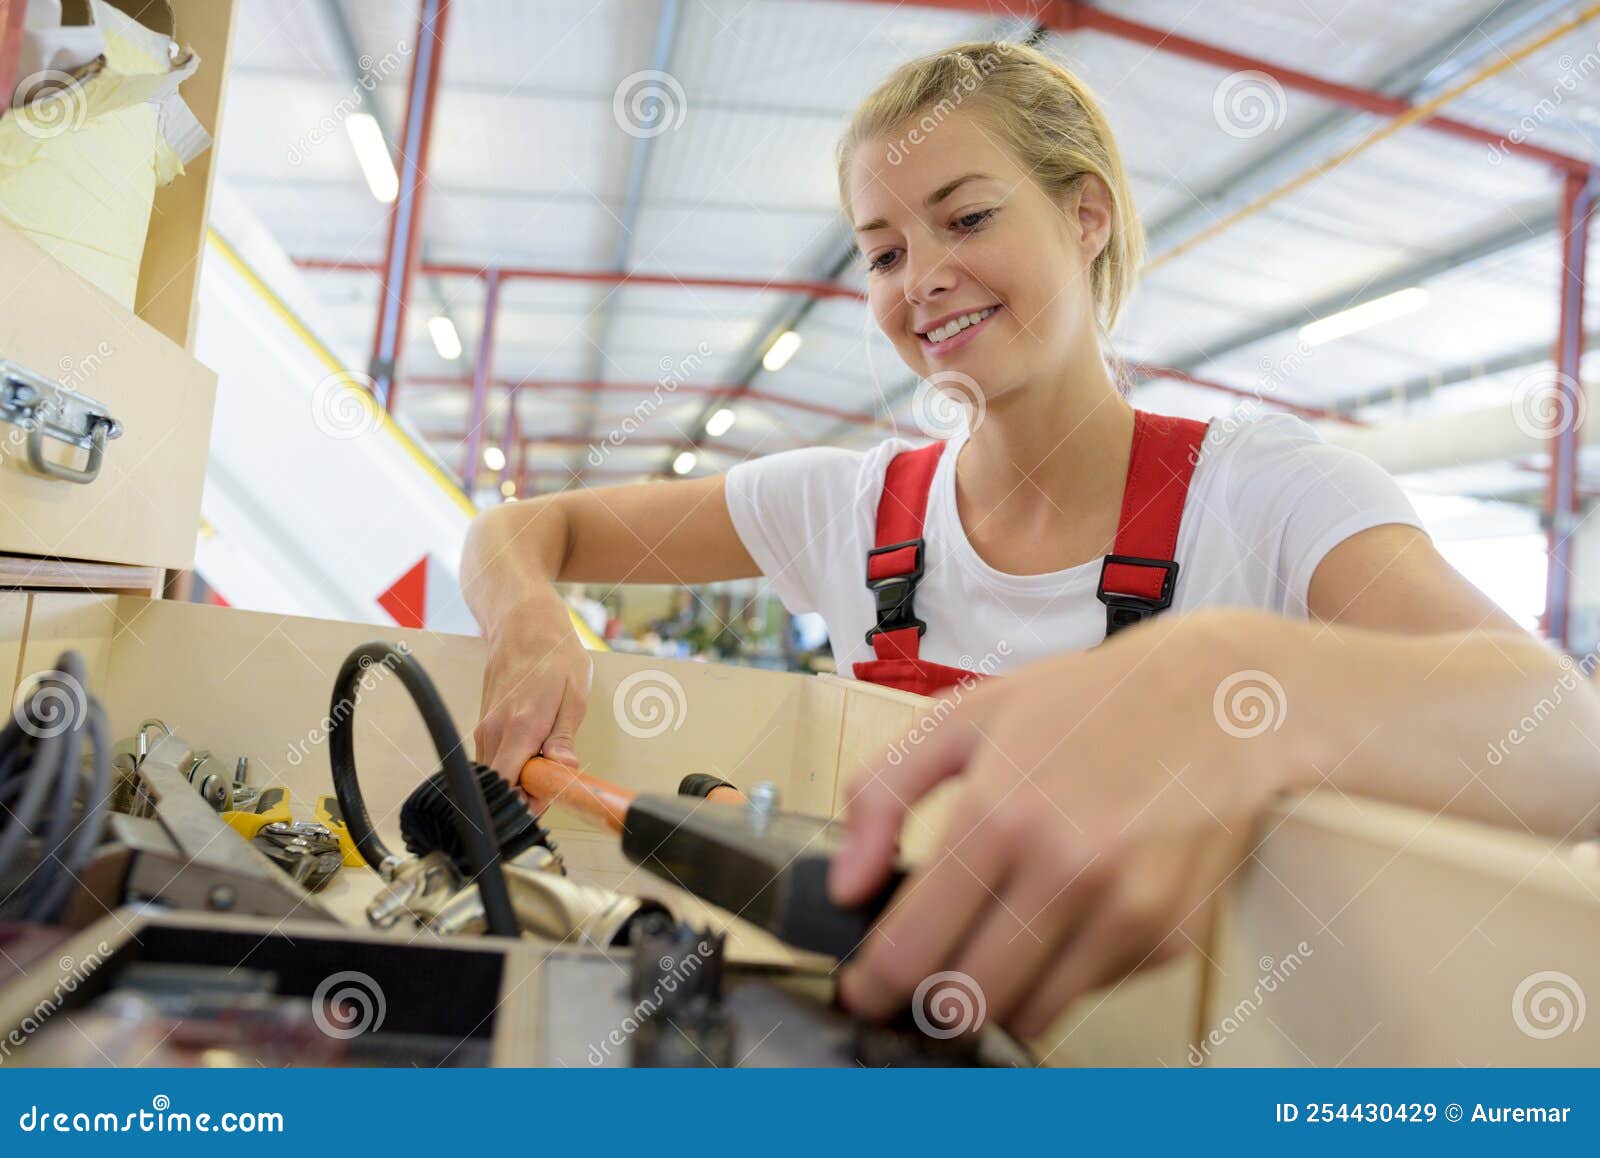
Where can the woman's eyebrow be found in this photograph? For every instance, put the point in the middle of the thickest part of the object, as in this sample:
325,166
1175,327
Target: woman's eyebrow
931,200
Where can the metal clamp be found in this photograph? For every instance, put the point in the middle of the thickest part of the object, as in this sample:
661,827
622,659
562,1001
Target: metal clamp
49,409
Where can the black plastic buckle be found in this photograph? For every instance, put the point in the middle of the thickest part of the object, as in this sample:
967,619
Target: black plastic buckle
1126,610
893,593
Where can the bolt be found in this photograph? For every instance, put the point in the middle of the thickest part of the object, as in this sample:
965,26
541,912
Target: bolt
763,802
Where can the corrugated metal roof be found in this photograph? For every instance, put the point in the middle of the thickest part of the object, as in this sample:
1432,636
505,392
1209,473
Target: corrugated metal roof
530,167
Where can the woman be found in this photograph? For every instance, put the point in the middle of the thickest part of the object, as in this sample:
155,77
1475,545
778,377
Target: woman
1106,793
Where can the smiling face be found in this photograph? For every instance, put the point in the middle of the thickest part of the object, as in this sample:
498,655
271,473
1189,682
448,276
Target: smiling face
972,266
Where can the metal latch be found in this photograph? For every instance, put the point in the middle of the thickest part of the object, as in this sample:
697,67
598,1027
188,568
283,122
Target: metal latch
48,409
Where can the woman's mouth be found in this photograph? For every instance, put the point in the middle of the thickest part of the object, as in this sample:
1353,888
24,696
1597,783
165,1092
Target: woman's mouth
956,332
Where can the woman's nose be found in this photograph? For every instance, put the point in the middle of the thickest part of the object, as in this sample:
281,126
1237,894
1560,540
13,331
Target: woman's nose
930,272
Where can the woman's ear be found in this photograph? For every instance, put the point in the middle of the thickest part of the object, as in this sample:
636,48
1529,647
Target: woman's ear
1093,216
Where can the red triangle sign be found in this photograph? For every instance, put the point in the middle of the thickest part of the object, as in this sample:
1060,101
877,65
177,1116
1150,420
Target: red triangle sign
407,599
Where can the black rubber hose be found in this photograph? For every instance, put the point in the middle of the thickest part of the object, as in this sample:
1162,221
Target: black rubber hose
472,813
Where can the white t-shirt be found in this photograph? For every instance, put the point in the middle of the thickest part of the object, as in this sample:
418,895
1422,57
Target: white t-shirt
1268,500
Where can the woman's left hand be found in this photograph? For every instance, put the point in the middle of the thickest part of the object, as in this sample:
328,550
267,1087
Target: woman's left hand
1105,798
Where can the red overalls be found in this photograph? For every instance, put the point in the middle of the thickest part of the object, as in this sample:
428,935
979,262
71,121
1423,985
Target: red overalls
1136,580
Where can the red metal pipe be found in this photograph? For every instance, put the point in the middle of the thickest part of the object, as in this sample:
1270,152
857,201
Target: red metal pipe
405,221
1071,15
482,371
814,289
1304,410
637,388
1561,491
719,446
11,13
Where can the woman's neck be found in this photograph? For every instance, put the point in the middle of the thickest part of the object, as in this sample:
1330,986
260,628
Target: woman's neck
1048,441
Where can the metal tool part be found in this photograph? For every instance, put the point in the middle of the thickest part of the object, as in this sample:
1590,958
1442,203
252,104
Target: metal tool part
769,867
182,853
304,849
552,906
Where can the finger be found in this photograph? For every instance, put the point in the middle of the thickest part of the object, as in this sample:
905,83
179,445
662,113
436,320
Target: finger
926,920
561,743
1021,939
1131,926
523,735
877,809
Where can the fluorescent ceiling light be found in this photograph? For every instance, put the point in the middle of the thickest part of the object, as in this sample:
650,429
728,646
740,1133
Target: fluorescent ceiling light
372,153
445,338
781,350
720,422
1367,314
684,463
494,458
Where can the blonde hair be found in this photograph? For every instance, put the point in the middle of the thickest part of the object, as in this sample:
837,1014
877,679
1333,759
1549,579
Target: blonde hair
1046,116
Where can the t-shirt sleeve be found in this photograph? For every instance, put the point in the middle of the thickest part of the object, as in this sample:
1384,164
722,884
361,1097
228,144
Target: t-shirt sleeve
789,510
1299,497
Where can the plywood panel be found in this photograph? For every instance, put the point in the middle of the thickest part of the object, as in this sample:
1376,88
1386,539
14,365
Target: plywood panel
14,606
1367,934
169,274
144,505
64,620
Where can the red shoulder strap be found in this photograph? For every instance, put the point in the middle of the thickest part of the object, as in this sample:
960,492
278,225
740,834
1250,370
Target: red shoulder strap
898,548
1160,467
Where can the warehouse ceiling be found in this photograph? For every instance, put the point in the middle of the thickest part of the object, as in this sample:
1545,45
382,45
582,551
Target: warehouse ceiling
533,164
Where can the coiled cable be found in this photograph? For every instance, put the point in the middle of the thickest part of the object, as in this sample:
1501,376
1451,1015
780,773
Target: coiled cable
41,751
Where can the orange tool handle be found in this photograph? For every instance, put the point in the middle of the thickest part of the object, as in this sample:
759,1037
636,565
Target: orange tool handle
552,782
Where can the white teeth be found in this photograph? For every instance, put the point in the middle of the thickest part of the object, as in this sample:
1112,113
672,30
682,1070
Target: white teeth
955,325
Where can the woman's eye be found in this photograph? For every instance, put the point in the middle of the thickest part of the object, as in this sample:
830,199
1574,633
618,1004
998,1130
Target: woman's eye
974,219
882,262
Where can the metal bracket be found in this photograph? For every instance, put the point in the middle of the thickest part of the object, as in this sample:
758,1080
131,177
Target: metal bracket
48,409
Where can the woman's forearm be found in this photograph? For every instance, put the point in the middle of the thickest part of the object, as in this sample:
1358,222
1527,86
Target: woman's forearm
1492,726
513,554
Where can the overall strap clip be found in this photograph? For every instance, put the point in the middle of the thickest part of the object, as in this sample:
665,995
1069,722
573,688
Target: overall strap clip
892,576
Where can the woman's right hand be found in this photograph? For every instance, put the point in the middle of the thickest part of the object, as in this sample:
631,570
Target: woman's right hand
535,688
